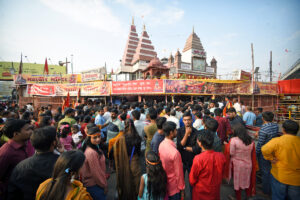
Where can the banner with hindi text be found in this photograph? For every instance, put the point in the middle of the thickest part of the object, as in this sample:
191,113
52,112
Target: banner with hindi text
138,87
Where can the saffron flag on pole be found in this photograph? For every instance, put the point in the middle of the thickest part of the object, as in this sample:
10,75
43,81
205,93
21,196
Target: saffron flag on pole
46,67
67,102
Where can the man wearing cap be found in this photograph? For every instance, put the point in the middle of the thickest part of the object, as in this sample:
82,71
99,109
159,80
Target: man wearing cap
69,117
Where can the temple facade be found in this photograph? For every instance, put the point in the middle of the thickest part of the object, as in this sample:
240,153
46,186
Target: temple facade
191,63
139,52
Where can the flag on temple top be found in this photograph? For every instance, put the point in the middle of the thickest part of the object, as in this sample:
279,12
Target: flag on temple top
46,67
21,66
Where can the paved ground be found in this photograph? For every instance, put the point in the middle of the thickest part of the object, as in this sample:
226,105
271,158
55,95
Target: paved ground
226,189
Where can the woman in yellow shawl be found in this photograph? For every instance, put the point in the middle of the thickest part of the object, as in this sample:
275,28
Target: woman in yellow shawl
127,150
63,184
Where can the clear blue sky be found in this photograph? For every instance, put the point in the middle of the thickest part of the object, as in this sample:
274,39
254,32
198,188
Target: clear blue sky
95,31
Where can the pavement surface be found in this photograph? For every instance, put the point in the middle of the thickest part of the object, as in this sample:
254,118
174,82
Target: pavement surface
226,190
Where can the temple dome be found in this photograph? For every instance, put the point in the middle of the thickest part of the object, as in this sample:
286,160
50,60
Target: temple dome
155,62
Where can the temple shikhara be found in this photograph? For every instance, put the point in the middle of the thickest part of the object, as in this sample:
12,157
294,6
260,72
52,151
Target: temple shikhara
140,60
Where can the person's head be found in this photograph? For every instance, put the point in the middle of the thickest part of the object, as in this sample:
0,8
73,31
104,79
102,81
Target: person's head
231,112
198,115
187,119
169,129
234,100
248,108
206,112
173,113
65,129
44,139
211,124
49,107
70,112
205,139
136,115
218,112
88,126
123,116
65,170
152,114
242,103
87,119
27,116
167,111
240,131
75,129
212,104
258,111
95,135
227,98
45,121
267,116
157,178
290,127
114,114
160,122
129,128
105,109
101,111
18,130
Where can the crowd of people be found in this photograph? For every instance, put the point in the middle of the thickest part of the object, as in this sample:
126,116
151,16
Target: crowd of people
49,154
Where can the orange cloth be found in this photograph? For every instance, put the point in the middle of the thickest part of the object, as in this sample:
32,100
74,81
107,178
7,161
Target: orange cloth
251,191
228,105
77,193
113,141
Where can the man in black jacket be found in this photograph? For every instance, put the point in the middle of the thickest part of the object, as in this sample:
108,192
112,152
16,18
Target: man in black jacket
31,172
187,143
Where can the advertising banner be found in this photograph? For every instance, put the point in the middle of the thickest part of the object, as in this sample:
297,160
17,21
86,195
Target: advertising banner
138,87
92,77
41,89
265,88
86,89
24,79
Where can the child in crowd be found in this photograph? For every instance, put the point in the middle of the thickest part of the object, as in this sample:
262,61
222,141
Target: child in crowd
153,184
65,138
207,169
76,136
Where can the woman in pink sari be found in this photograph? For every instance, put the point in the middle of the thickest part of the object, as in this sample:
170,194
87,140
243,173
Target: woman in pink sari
242,165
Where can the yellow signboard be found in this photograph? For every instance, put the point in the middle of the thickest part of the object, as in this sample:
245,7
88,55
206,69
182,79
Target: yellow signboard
8,69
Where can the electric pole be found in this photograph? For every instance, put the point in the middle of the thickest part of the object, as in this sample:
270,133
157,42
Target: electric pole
271,66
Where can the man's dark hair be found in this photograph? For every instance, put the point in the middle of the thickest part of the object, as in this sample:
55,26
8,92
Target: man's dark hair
187,114
206,137
13,125
42,138
87,119
206,112
160,122
136,114
123,116
153,114
260,109
199,114
168,127
218,111
231,110
167,110
69,111
114,111
173,112
290,127
268,116
211,124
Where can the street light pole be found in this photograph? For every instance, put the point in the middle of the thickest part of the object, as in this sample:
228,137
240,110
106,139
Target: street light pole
72,63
